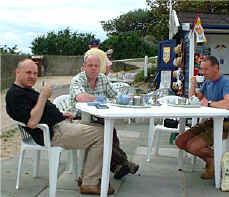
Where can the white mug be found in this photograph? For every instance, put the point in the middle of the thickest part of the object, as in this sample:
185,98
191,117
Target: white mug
199,79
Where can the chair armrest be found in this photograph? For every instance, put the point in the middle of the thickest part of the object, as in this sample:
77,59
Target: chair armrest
46,132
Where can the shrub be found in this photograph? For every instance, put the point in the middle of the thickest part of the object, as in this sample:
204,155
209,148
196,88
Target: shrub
128,45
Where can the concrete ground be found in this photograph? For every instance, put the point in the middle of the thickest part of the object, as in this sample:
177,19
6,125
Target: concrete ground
157,178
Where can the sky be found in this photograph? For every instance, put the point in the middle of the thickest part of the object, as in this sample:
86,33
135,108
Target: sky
23,20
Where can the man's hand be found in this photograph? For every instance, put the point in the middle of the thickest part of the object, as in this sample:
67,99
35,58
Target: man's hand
68,115
193,87
38,109
85,97
46,91
204,101
193,81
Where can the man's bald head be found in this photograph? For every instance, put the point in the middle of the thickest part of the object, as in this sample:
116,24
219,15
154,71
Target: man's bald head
26,73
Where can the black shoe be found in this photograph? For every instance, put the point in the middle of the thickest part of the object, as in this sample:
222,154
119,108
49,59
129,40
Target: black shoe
123,171
133,167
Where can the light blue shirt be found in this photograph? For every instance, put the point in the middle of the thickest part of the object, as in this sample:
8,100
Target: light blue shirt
215,90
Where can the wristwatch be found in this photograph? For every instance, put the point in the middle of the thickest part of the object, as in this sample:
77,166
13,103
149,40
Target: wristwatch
209,103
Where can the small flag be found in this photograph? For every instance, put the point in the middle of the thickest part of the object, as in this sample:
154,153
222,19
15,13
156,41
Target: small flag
200,37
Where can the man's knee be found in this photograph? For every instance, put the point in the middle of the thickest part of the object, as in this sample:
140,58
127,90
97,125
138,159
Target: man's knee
191,148
179,141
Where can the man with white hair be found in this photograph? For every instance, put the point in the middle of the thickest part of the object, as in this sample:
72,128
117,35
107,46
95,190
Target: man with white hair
105,63
85,87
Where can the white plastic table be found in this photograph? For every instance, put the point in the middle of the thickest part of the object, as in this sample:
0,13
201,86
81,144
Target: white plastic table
114,112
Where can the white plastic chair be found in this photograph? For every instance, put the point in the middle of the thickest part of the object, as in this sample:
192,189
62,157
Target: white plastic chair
27,143
121,87
154,136
62,103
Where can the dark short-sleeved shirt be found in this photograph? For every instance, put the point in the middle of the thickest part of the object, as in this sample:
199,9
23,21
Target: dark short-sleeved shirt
20,102
216,90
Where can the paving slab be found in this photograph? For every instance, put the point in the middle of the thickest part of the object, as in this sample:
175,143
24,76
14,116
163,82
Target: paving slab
157,178
149,186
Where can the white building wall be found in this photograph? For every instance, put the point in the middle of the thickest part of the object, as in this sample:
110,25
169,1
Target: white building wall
221,53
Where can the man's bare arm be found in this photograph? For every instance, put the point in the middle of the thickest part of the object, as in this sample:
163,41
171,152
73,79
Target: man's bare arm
193,91
223,104
37,112
85,97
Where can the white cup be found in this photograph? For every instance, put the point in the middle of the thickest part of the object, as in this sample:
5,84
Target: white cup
199,79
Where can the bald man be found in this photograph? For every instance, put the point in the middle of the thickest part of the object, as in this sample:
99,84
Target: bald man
26,105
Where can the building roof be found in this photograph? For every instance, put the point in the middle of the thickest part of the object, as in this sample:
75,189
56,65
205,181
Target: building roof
206,19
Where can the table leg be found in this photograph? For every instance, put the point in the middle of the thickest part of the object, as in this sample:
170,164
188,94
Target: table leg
107,151
151,133
218,142
180,157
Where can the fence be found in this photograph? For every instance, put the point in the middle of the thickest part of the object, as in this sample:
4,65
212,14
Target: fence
55,66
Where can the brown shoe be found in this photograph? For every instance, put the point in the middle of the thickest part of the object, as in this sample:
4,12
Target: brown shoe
94,189
209,173
79,181
133,167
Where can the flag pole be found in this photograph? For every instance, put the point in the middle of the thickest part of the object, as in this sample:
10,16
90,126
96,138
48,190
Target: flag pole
170,17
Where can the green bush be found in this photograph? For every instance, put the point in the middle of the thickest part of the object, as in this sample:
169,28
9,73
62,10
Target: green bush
63,42
128,45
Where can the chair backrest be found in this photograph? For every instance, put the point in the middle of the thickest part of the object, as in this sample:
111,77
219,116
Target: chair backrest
62,103
121,87
25,136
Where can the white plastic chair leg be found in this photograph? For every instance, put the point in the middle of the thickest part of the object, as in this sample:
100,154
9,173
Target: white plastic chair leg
151,134
36,163
74,164
54,158
80,161
193,162
21,158
69,168
180,159
157,140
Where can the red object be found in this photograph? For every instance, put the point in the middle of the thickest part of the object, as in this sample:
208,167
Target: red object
196,71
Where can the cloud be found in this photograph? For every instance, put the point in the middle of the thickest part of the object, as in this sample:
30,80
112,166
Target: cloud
22,21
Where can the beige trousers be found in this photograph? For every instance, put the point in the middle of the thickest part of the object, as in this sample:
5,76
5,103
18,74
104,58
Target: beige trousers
83,135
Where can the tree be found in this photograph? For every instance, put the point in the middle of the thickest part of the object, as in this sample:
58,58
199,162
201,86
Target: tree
133,21
160,12
128,45
203,6
64,42
9,50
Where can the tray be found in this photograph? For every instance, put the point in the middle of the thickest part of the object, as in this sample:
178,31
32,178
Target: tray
185,105
131,106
